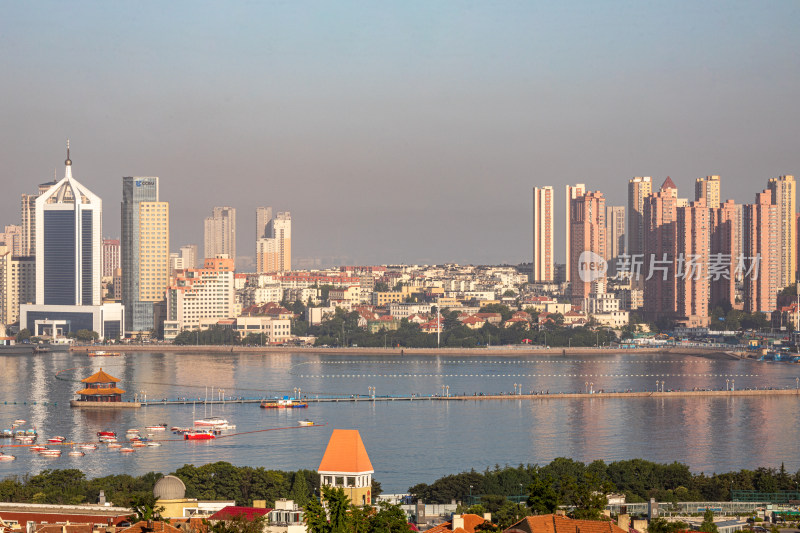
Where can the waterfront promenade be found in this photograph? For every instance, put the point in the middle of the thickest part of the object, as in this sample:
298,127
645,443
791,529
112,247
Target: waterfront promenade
514,351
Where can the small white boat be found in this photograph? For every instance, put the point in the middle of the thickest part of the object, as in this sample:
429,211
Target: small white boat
306,422
76,453
19,422
138,444
108,439
162,427
211,421
50,453
87,446
225,427
132,431
113,445
37,448
153,444
4,457
126,450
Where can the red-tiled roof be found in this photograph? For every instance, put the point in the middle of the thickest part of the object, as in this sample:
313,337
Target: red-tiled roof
561,524
232,511
668,184
471,521
23,518
157,527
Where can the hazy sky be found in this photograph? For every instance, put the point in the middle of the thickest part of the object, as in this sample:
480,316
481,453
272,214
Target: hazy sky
395,132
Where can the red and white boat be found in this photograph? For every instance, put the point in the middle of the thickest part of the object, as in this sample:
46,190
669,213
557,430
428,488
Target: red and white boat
56,440
108,439
87,446
138,444
76,453
199,435
106,434
114,445
126,450
4,457
37,448
162,427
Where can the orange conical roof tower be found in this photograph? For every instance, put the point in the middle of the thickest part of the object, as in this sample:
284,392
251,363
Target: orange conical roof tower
345,464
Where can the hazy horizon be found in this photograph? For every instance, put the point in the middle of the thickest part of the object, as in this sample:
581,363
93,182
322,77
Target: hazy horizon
395,133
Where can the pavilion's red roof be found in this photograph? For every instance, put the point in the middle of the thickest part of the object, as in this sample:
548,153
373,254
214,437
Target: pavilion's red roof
100,392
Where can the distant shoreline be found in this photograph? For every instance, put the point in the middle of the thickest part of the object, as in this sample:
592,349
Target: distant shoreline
432,352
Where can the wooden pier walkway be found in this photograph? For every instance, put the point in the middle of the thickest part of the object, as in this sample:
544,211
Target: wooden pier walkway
487,397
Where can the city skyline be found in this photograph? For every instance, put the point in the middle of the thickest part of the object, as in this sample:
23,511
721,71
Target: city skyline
438,116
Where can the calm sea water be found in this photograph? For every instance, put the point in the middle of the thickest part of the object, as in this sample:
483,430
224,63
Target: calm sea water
419,441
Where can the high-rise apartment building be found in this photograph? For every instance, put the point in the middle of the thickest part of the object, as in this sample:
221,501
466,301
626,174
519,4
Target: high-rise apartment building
195,295
761,242
110,257
587,234
220,233
638,189
263,218
68,223
693,245
11,238
571,192
543,220
145,251
188,253
615,232
274,253
659,239
726,239
708,188
17,284
175,264
783,192
28,219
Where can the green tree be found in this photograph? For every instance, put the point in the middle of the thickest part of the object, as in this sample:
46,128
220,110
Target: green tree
144,508
661,525
23,335
239,524
389,519
300,493
708,525
85,335
338,505
315,518
542,498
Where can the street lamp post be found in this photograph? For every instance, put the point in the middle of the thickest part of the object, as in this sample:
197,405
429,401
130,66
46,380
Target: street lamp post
447,388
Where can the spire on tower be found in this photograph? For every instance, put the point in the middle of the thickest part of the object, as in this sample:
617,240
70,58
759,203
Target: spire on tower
68,162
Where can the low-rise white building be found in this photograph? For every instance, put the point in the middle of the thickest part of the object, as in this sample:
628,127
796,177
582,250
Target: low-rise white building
272,330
